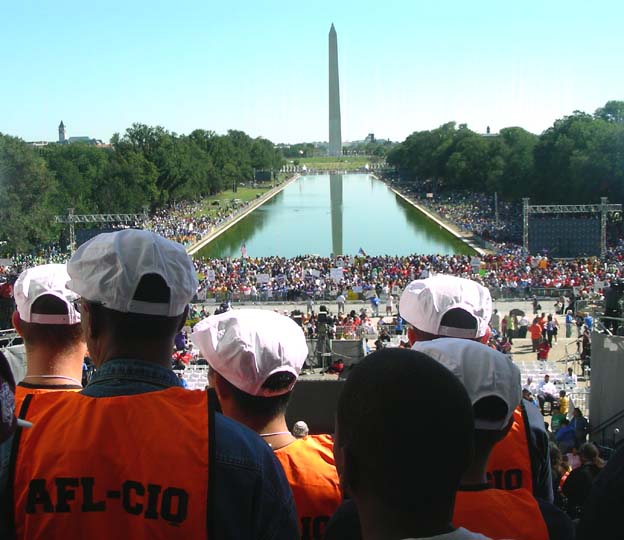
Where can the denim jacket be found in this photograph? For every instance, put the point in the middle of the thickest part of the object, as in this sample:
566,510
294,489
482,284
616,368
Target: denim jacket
253,499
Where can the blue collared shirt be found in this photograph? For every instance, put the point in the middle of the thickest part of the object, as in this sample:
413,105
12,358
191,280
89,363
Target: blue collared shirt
253,499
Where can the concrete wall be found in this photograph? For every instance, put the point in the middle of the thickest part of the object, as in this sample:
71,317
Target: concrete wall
607,379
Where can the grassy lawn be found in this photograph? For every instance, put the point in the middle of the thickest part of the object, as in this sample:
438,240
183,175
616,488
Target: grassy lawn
243,193
348,163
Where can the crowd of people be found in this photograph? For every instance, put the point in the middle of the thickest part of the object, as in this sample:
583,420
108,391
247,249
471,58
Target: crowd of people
509,272
476,213
187,223
521,276
492,474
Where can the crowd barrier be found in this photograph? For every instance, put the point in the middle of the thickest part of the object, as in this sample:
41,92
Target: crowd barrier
295,295
526,293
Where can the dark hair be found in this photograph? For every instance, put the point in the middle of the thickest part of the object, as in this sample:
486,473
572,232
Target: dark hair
384,442
459,318
555,455
491,408
152,288
53,336
265,407
453,318
590,454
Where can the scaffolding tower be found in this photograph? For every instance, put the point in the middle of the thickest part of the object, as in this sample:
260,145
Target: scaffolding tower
71,219
603,209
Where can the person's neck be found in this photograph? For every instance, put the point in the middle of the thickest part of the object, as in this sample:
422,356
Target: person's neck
476,474
158,353
273,431
381,523
42,361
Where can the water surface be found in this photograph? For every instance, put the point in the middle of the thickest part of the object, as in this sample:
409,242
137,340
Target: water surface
334,214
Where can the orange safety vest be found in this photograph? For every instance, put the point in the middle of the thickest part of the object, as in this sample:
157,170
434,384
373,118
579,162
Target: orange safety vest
509,466
22,391
311,472
132,466
500,514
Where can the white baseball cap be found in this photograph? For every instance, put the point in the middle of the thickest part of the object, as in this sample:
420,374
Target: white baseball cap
47,279
247,346
483,371
108,268
424,303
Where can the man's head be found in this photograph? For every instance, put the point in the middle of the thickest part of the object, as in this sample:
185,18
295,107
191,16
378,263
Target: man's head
300,429
562,393
446,306
570,371
380,448
493,383
546,378
255,358
135,288
46,313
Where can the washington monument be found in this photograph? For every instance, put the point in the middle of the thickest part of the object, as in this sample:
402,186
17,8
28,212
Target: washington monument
335,136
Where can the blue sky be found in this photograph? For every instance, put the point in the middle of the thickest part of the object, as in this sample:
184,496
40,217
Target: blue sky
261,65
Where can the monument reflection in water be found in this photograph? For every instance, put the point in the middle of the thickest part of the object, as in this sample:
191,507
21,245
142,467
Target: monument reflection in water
337,214
335,194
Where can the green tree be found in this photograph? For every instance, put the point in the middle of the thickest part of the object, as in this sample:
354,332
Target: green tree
27,189
130,184
518,177
78,168
613,111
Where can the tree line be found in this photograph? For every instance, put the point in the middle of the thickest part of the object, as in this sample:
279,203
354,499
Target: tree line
577,160
146,166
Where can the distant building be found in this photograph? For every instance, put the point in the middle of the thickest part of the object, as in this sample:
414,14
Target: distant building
83,139
62,139
61,130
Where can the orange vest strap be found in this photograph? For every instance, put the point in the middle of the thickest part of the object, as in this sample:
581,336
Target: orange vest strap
211,495
12,463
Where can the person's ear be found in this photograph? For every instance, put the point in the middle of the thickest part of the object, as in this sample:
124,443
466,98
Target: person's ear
349,476
411,335
223,390
17,323
339,461
183,319
89,319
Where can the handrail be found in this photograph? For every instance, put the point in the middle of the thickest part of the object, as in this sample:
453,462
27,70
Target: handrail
614,418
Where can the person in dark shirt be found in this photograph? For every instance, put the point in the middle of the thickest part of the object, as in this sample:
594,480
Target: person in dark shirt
602,512
400,487
578,485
